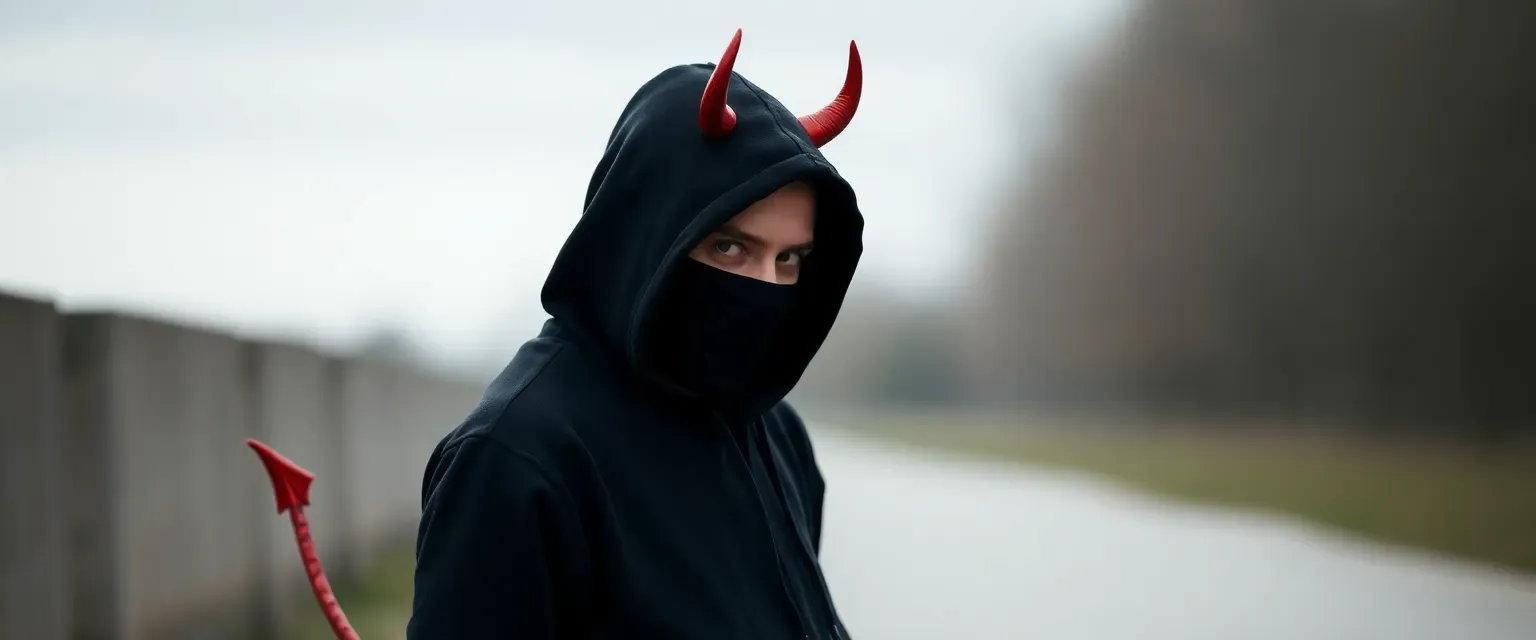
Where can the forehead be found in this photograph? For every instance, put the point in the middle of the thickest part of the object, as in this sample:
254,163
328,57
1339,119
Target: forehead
787,215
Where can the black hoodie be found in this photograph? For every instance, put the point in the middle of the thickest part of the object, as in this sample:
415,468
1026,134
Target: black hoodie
585,497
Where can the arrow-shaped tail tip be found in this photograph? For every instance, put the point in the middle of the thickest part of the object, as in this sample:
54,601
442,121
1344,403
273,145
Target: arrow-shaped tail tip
290,482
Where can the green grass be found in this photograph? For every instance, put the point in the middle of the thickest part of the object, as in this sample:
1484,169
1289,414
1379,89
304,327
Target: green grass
1473,504
377,603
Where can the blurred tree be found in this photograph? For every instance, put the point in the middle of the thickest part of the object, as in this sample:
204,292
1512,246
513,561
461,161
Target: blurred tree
392,344
916,364
1311,210
884,351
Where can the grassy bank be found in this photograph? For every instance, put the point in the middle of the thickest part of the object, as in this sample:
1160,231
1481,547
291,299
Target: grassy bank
1478,505
378,603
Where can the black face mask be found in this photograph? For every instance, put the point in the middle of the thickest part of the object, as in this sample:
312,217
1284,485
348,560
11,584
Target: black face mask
714,331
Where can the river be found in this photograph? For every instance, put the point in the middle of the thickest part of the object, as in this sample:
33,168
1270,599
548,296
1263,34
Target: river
923,545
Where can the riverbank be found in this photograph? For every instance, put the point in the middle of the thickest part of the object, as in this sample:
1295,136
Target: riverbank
1477,505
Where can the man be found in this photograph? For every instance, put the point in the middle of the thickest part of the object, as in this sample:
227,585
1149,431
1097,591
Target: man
634,473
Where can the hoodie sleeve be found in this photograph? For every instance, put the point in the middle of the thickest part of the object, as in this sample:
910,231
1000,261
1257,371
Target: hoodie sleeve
498,548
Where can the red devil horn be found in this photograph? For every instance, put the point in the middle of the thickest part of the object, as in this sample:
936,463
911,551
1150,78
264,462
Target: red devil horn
715,116
824,125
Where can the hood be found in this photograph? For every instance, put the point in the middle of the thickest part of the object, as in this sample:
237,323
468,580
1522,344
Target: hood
674,169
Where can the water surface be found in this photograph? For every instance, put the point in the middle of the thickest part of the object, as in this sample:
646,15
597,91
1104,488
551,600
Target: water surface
924,545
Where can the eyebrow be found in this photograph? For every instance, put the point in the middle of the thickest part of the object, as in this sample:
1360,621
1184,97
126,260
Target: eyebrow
735,232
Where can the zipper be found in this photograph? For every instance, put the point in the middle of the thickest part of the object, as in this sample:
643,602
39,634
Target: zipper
741,454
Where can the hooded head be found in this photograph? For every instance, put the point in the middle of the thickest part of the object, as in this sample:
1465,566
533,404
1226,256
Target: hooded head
695,147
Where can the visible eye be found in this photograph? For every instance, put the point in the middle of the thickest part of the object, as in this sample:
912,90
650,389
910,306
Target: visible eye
727,248
793,258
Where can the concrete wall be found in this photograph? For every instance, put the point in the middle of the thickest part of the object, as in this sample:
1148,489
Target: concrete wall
158,521
383,500
33,587
165,512
298,412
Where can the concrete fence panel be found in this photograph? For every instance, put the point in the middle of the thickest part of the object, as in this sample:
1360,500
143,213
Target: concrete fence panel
34,595
297,410
434,408
383,497
162,497
138,512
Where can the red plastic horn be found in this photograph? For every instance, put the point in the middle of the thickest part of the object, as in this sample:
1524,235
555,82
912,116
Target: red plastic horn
717,119
824,125
715,116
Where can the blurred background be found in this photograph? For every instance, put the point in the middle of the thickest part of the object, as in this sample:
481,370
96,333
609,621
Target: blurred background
1178,318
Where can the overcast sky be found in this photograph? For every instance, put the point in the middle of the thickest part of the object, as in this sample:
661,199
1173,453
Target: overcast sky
318,168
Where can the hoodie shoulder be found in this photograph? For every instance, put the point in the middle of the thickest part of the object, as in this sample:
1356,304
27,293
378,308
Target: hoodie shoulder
530,408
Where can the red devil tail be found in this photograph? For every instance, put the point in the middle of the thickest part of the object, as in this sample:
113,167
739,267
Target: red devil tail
290,483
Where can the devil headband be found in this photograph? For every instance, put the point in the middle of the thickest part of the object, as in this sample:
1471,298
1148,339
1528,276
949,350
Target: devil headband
717,119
